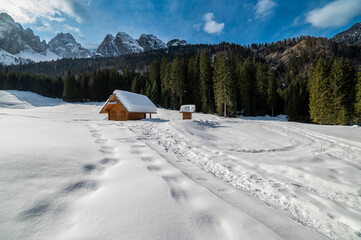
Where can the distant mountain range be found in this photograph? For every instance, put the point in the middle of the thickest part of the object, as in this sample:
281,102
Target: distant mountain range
19,46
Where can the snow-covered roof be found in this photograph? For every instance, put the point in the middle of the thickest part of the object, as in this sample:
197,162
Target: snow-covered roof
188,108
134,102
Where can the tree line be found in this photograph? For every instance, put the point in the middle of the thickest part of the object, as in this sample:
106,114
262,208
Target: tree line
227,84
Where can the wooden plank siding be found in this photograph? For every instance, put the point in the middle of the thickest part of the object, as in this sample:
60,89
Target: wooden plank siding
187,115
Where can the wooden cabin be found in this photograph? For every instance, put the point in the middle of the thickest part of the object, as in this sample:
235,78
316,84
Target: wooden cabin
123,106
187,111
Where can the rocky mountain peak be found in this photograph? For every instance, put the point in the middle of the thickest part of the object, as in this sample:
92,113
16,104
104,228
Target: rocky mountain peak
176,42
350,36
150,42
4,17
65,45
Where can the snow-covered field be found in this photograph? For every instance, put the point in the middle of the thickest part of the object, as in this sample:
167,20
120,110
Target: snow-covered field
68,173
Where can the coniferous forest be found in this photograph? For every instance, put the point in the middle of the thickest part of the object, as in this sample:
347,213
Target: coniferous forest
230,80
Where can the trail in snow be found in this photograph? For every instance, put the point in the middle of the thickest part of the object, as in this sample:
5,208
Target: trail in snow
306,174
67,173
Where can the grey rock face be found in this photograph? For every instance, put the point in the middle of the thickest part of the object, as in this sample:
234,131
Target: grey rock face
119,45
350,36
150,42
64,45
176,42
14,39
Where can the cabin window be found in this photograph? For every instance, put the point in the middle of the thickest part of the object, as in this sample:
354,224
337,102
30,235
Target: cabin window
122,114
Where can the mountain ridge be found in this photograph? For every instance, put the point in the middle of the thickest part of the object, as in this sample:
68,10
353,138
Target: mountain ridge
349,36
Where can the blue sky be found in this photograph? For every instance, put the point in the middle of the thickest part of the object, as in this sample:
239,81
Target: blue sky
212,21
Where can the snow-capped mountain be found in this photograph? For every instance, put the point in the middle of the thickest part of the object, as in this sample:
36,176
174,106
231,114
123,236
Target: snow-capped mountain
176,42
350,36
14,39
121,44
150,42
125,44
19,46
64,45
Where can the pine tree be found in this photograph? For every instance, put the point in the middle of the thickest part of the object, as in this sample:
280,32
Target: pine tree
343,85
177,79
247,81
358,98
223,84
271,90
70,93
320,94
262,88
205,80
154,77
193,81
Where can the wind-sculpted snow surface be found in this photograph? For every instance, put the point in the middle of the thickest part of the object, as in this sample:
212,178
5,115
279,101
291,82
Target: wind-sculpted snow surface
68,173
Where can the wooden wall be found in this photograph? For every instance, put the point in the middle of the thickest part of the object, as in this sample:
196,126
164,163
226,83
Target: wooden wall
118,113
187,115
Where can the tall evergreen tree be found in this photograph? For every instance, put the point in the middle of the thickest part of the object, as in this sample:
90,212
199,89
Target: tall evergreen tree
262,88
205,81
271,90
70,93
358,98
223,84
177,81
247,81
321,110
154,77
343,86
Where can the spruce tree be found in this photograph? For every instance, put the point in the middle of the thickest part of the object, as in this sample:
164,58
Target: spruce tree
177,78
321,109
262,88
70,93
205,80
223,85
358,98
247,81
271,90
343,86
154,78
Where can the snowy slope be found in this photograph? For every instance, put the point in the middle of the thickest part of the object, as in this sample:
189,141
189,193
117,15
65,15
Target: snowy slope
68,173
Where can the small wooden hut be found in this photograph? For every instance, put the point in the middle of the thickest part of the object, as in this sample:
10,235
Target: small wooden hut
123,105
187,111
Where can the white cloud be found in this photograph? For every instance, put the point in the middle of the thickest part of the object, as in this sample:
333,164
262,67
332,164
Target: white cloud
264,8
211,26
29,11
335,14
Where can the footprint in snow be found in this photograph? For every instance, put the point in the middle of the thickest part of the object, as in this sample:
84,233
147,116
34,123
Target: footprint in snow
80,185
135,152
100,141
109,161
147,159
87,168
178,194
154,168
37,210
